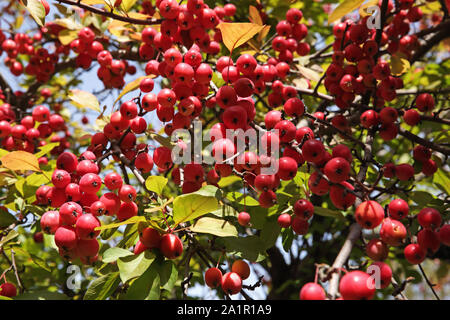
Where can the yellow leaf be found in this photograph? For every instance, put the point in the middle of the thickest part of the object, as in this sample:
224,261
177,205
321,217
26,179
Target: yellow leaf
133,85
362,9
20,161
399,65
301,83
309,73
343,8
18,22
83,99
254,16
127,4
68,23
66,36
236,34
36,10
263,34
132,220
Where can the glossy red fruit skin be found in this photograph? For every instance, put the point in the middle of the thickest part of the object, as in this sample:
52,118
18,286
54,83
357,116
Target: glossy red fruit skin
66,238
213,277
50,222
231,283
318,185
369,214
244,218
337,170
127,210
313,151
139,248
383,270
414,253
70,212
355,285
171,246
284,220
341,197
392,232
312,291
150,238
398,209
85,227
428,240
241,268
429,218
303,209
8,289
377,250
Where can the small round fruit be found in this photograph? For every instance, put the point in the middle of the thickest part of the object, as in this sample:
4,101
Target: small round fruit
312,291
355,285
213,277
171,246
231,283
241,268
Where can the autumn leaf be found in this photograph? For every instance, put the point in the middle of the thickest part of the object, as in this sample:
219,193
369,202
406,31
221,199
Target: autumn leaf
399,65
343,8
236,34
36,10
82,99
20,161
254,16
131,86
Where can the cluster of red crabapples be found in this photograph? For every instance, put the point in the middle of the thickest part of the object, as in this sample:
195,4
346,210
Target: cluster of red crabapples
359,285
26,136
230,282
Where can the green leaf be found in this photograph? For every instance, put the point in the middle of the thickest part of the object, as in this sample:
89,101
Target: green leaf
6,219
131,267
156,183
442,178
246,247
102,287
343,8
287,236
240,199
112,254
270,233
225,182
187,207
36,10
132,220
328,212
127,4
218,227
36,260
168,274
422,198
147,286
82,99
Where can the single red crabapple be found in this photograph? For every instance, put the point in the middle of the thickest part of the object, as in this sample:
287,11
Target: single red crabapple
284,220
241,268
384,272
444,234
303,209
213,277
355,285
231,283
428,240
414,253
312,291
127,210
50,222
243,218
150,238
377,250
392,232
8,289
398,209
66,238
369,214
85,227
299,225
171,246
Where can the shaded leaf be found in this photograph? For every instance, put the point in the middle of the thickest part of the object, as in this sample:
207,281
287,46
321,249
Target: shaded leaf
328,212
132,220
133,266
218,227
36,10
102,287
112,254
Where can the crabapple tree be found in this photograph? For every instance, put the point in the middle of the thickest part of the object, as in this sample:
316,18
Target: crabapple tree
261,149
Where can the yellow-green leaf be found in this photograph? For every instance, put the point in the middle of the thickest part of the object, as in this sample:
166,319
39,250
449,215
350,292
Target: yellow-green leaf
36,10
343,8
236,34
20,161
218,227
66,36
131,86
309,73
399,65
156,183
189,206
83,99
132,220
127,4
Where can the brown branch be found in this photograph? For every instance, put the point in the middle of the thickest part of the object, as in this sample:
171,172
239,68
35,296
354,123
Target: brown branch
430,43
428,282
108,14
426,143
